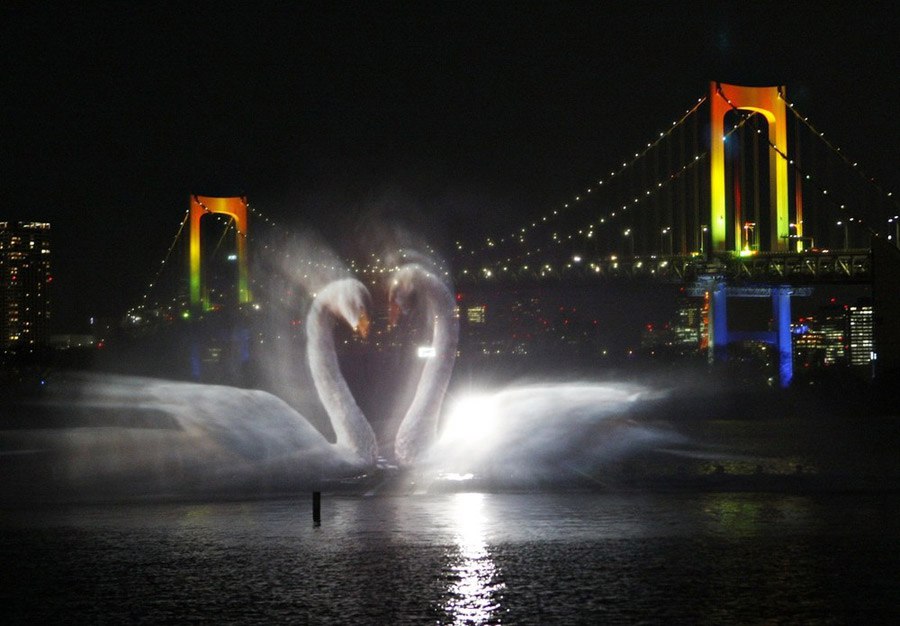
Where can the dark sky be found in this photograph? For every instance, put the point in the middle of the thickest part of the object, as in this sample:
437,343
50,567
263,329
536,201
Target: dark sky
447,116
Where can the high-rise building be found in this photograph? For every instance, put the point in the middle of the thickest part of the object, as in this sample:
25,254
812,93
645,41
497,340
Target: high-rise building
862,346
24,285
809,343
690,325
839,335
832,323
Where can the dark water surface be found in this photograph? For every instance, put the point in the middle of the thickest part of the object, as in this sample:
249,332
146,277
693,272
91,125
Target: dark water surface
463,558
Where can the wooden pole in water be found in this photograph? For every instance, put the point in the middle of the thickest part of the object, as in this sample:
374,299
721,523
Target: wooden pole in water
317,508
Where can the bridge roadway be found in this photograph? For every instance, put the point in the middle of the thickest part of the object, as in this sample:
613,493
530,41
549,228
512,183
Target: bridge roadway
785,268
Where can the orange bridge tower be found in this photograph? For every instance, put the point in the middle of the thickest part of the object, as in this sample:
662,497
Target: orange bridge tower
236,208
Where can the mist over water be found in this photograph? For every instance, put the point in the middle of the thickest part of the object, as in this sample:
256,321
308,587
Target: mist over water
104,436
527,435
128,436
125,437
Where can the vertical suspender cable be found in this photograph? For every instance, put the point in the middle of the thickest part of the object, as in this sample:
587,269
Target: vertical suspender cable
773,245
798,190
699,201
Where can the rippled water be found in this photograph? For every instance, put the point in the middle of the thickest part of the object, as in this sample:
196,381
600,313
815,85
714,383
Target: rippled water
460,558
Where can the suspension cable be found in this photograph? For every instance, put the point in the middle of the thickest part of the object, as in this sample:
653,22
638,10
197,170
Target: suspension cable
836,150
165,260
518,234
790,161
639,199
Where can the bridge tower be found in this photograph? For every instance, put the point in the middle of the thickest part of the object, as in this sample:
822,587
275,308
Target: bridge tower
235,207
769,102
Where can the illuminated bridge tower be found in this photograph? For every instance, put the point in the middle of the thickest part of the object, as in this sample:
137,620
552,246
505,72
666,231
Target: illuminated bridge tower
769,102
236,208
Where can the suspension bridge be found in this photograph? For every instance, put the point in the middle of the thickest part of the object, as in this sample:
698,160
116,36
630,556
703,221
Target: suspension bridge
740,196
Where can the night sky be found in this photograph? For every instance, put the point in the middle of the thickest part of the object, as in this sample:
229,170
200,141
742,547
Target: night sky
450,118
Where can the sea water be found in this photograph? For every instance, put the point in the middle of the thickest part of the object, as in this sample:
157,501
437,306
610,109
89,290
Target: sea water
466,558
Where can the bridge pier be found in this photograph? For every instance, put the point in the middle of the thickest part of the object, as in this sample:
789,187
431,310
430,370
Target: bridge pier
780,337
781,316
718,332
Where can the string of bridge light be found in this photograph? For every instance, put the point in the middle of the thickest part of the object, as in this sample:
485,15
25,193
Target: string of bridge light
379,269
231,225
374,268
854,165
155,280
829,198
517,235
589,230
312,264
162,266
208,211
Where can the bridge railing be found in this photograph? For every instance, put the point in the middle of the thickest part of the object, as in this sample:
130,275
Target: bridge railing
804,267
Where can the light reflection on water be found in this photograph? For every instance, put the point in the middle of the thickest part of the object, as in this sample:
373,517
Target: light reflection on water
460,559
474,595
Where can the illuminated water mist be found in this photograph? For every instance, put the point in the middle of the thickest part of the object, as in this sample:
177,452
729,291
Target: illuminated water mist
165,437
144,436
127,436
540,433
137,436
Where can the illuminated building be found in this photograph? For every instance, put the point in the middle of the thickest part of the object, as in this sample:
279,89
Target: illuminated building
690,325
832,323
838,335
657,340
862,347
521,323
24,285
474,324
476,314
809,344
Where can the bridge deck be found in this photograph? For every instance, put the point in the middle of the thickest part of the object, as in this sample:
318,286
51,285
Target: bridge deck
809,267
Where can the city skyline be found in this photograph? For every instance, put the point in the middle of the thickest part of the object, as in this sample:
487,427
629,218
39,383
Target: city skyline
451,120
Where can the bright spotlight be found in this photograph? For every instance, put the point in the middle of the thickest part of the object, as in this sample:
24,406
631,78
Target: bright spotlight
471,420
